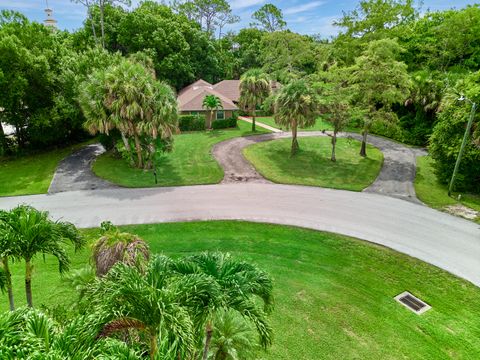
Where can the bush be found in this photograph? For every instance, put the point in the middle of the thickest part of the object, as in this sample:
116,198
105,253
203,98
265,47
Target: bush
191,122
224,124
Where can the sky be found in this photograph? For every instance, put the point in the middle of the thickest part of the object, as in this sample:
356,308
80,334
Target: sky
302,16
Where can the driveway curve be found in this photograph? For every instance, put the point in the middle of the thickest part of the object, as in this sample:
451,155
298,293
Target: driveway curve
448,242
75,172
395,179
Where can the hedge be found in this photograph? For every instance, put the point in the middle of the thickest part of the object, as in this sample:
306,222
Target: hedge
224,124
191,122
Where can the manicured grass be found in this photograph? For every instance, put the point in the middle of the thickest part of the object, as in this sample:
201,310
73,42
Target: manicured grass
435,194
334,295
312,165
190,163
31,174
320,125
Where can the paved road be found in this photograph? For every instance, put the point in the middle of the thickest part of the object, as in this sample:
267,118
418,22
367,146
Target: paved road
443,240
75,173
395,179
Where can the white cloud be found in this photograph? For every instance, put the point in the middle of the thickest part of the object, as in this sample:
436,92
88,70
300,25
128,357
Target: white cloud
303,8
241,4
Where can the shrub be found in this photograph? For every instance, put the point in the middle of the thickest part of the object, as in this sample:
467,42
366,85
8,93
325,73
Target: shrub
224,124
191,122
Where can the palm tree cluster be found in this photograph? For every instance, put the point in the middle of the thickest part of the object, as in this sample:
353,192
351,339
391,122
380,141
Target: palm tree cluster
203,306
127,97
255,88
211,103
25,233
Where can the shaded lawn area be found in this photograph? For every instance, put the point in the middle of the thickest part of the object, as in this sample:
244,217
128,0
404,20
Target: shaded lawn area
320,125
435,194
32,174
190,163
333,294
312,165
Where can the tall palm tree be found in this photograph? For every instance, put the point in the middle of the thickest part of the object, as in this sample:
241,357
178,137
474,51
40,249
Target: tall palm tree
34,233
115,246
254,89
7,251
296,105
98,119
154,302
244,289
162,117
212,103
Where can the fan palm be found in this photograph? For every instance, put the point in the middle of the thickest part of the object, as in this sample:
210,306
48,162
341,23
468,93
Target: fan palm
296,105
154,302
34,233
115,246
212,103
242,288
254,89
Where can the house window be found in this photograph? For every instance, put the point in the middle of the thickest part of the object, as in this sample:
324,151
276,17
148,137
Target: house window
220,115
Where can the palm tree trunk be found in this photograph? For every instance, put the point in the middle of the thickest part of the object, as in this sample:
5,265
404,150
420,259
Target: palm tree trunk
363,149
254,115
153,346
138,148
6,268
208,338
28,282
102,9
127,147
2,140
92,22
334,143
295,146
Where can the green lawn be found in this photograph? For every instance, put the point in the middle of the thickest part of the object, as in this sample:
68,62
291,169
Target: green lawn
190,163
31,174
312,165
334,295
320,124
434,194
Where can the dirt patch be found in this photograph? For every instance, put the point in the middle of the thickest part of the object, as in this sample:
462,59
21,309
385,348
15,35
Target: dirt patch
462,211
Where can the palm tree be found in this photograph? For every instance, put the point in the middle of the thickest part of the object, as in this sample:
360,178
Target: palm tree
34,233
254,89
98,119
162,117
296,105
32,334
154,302
243,288
212,103
115,246
233,338
7,251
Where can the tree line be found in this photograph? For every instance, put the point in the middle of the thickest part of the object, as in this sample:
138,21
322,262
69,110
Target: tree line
41,72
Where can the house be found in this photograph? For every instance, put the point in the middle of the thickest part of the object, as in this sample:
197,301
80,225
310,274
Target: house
190,98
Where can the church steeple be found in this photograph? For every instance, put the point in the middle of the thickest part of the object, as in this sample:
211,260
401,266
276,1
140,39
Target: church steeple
49,21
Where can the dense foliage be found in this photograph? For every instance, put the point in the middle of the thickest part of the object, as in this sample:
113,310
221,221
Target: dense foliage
41,71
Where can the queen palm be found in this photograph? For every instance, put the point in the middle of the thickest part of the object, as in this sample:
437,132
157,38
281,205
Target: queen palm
7,252
244,289
154,302
296,105
254,89
212,103
34,233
